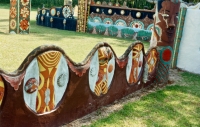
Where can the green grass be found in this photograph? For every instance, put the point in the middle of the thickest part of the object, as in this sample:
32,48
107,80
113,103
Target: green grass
177,105
15,48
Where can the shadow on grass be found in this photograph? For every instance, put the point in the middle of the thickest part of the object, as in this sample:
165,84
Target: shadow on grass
173,106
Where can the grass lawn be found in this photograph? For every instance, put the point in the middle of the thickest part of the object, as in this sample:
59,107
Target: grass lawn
177,105
14,48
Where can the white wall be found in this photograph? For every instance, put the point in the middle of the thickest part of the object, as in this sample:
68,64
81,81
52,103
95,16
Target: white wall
189,50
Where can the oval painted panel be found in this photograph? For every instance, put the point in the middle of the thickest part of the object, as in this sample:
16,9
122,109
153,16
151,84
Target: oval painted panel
2,89
101,71
135,64
45,82
152,59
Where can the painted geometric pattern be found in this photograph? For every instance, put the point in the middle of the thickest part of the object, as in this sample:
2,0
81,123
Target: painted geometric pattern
1,90
81,21
24,16
13,21
135,63
152,60
48,63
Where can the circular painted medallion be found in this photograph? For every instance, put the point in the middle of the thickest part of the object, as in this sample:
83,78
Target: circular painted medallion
43,11
108,21
53,11
109,11
12,24
122,12
137,24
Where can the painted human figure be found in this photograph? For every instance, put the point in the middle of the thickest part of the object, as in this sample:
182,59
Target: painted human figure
104,55
135,64
165,19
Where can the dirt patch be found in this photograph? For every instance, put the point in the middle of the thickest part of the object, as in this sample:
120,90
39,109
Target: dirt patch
174,78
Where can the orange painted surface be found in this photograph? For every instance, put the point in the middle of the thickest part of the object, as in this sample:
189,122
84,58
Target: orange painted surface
48,63
1,90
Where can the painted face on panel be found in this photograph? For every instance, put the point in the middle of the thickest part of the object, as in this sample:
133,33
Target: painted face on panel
168,16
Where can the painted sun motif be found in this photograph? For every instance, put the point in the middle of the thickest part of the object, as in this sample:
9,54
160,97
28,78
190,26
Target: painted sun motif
13,2
12,24
24,12
24,24
25,2
13,12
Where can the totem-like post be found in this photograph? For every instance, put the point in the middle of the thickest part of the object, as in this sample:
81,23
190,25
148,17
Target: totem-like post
19,17
166,18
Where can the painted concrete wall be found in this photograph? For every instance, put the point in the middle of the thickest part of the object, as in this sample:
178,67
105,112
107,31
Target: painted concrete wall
189,51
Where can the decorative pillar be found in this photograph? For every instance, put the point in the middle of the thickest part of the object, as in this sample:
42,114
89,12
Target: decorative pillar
179,31
165,19
82,16
19,17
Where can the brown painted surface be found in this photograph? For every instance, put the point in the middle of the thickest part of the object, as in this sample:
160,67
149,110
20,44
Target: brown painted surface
78,99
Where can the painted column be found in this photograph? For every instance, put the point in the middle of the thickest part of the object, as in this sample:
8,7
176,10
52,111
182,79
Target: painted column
179,31
82,16
166,18
14,17
19,16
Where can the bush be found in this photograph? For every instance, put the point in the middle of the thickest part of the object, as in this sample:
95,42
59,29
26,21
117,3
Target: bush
127,33
100,29
144,35
112,30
